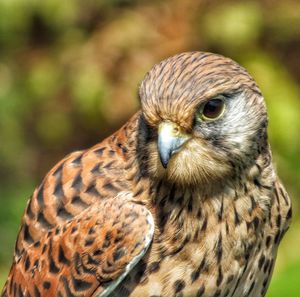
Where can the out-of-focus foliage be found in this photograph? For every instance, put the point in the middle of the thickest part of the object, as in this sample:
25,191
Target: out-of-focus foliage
69,72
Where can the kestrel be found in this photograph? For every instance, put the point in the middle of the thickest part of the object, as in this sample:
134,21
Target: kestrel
183,200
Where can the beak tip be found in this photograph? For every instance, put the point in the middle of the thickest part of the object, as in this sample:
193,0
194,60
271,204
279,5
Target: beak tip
164,161
164,164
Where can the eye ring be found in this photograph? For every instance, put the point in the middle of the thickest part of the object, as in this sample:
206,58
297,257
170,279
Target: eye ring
212,109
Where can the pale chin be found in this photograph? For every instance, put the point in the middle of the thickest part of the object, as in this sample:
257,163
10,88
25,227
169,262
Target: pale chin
194,165
195,170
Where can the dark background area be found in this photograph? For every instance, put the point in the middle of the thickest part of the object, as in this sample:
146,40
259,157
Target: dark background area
69,72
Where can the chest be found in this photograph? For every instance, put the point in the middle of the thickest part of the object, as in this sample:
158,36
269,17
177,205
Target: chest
226,249
195,270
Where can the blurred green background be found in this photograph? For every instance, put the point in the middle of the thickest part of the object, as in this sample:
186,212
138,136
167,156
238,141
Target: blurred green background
69,72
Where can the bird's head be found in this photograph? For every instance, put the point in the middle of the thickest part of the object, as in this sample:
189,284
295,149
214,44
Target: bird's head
205,118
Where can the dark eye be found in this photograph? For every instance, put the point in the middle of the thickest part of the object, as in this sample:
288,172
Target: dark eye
212,109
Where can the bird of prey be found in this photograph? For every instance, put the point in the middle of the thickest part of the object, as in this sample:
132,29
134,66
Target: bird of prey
183,200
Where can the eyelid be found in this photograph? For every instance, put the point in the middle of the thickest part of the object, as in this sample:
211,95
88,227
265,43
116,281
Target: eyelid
219,96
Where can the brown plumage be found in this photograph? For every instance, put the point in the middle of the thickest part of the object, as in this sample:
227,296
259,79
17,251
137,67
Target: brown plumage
183,200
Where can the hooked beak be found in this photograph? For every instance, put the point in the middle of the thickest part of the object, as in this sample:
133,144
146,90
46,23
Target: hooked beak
170,140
